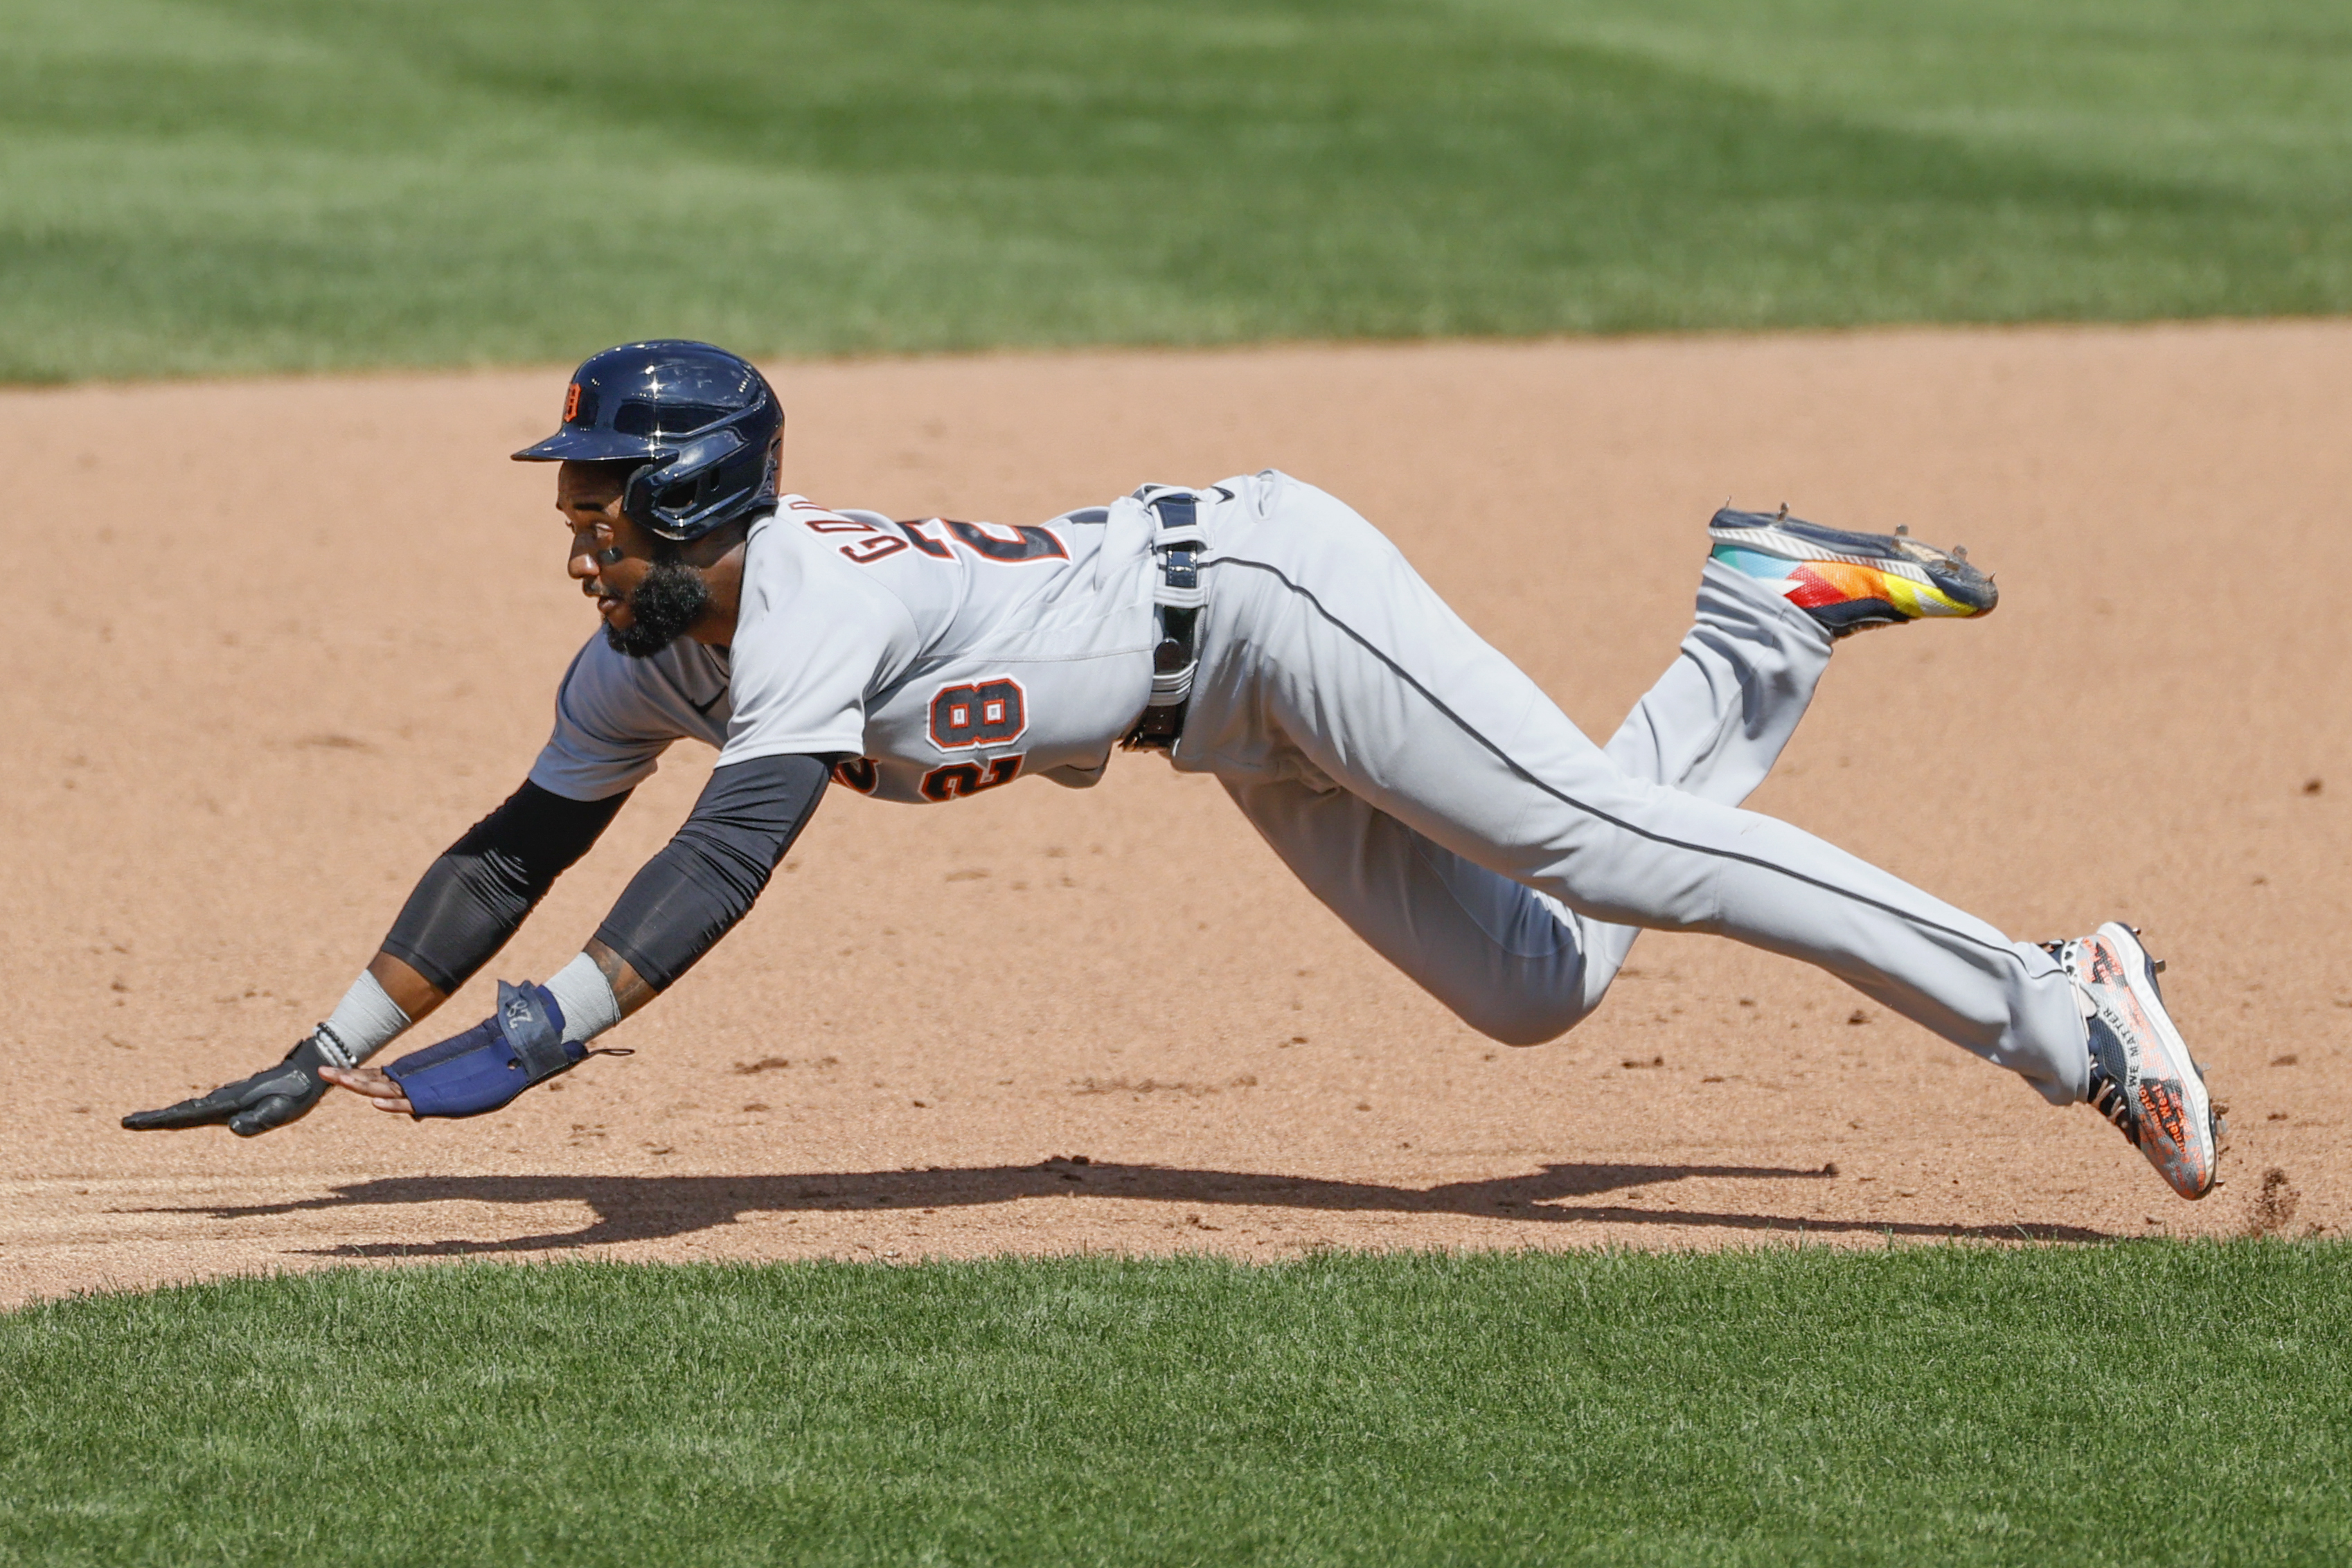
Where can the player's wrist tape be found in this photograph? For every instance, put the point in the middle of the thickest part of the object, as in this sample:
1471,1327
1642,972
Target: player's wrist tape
519,1044
583,999
366,1021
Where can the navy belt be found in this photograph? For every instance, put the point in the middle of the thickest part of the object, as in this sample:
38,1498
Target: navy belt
1178,542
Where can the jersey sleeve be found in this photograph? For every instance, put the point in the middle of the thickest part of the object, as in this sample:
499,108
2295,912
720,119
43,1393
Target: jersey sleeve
610,733
814,640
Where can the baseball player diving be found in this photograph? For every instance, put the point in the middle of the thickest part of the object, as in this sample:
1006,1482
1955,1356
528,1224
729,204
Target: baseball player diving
1258,629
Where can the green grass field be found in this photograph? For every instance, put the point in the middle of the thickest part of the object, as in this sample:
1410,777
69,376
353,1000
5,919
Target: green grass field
2131,1404
192,185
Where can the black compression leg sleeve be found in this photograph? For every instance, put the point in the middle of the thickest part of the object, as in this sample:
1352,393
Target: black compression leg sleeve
706,878
473,897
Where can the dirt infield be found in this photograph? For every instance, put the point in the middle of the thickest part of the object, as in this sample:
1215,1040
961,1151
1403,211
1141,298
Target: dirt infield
282,640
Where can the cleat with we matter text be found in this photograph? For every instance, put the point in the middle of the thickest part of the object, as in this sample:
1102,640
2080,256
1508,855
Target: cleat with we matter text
1850,582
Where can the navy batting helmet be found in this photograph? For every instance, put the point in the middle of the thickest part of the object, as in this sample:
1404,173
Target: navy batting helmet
703,427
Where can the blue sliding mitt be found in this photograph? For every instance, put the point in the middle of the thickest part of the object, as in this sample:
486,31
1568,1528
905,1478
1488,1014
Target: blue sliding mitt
519,1044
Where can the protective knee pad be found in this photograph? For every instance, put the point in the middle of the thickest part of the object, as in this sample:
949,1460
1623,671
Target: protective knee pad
482,1070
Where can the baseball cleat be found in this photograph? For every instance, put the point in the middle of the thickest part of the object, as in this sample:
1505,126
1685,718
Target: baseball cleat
2142,1077
1848,581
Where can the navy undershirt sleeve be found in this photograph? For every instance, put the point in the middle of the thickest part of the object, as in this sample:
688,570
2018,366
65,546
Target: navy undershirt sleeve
472,898
708,876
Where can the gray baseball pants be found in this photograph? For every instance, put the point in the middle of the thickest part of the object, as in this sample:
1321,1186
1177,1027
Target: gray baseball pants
1436,800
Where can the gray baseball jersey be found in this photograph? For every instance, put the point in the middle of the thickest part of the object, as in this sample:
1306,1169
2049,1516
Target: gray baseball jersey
940,657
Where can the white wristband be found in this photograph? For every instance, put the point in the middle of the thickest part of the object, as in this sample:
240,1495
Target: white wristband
366,1021
585,997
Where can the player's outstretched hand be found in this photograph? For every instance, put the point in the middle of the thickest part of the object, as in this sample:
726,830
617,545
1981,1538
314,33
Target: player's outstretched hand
374,1083
270,1097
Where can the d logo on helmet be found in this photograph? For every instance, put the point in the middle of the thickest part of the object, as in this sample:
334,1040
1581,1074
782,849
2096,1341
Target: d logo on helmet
572,403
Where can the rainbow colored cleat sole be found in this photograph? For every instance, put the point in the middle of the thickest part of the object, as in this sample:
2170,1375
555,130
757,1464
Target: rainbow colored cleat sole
1850,582
2142,1077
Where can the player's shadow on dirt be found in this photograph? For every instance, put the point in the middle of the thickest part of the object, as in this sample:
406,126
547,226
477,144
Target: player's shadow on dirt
644,1209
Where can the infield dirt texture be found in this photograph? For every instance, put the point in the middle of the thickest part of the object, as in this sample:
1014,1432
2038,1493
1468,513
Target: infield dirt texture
328,616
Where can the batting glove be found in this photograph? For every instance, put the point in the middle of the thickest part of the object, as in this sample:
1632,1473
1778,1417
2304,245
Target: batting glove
251,1106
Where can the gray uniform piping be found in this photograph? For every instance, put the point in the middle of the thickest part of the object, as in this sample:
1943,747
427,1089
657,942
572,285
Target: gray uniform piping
1565,798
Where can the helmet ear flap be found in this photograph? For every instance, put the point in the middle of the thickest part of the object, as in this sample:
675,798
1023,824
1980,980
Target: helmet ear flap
661,509
637,495
685,492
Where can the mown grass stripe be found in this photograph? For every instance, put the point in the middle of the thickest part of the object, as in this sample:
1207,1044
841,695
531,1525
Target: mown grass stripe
188,185
2139,1403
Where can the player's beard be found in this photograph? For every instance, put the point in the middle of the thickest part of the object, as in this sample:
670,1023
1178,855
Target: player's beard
662,608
